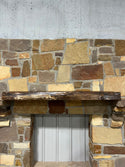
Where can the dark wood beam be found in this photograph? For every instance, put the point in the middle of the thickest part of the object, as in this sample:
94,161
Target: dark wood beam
74,95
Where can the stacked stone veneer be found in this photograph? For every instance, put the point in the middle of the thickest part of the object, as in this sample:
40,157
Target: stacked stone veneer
63,65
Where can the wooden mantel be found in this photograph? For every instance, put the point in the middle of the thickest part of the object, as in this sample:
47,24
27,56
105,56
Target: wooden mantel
73,95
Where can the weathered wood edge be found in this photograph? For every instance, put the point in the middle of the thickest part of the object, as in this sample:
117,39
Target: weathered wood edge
71,95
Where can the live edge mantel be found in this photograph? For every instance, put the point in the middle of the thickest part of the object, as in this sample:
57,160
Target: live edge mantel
72,95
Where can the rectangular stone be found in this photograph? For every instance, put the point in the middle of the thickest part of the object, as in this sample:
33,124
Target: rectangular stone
106,135
20,45
114,150
18,84
52,45
103,42
7,159
120,47
46,77
21,145
105,58
24,55
74,103
4,123
3,44
88,72
116,84
37,87
102,157
76,53
30,107
97,120
10,55
105,50
4,72
107,163
119,64
61,87
23,122
63,73
75,110
108,68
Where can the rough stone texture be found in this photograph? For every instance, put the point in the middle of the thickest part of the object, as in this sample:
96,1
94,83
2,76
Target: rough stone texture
96,86
24,122
103,42
56,107
94,56
76,53
4,72
32,79
115,83
18,84
8,134
26,69
122,72
108,69
119,64
42,61
58,61
61,87
106,163
95,149
77,84
26,159
105,135
115,59
105,50
105,58
88,72
12,62
116,124
20,45
73,103
3,88
97,120
122,58
76,110
10,55
15,71
7,159
24,55
3,44
3,148
63,74
30,107
120,47
120,162
46,77
114,150
35,47
20,130
117,117
52,45
36,87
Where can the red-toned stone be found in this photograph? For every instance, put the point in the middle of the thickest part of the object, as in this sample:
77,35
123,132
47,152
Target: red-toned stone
15,72
12,62
114,150
56,107
87,72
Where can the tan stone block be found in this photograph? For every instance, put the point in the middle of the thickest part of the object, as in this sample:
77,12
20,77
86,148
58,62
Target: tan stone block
102,157
106,163
52,45
21,145
75,110
23,122
106,135
4,123
76,53
116,84
117,71
116,109
108,68
24,55
32,79
70,40
7,159
63,74
73,103
18,84
4,72
96,86
122,58
116,124
61,87
97,120
30,107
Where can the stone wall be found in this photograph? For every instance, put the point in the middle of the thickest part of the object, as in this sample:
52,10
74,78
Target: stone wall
62,65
